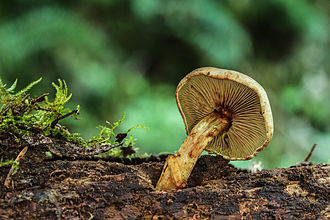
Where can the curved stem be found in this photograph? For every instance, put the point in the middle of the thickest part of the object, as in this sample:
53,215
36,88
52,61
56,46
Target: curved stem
178,167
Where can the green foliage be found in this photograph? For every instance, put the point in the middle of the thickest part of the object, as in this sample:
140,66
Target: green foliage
106,134
55,110
48,154
61,96
25,89
14,164
21,114
9,99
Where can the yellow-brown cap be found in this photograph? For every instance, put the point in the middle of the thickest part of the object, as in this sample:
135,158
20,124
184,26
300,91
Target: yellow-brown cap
236,97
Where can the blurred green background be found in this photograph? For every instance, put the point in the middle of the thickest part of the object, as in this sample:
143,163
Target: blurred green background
128,56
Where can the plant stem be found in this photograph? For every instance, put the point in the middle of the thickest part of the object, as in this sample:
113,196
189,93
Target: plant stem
12,169
178,167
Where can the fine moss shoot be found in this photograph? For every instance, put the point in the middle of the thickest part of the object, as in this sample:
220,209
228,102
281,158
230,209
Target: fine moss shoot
22,115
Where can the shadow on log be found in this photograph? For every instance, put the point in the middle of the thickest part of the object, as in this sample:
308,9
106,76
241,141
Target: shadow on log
84,188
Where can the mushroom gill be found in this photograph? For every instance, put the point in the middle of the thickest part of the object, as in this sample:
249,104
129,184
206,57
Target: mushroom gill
235,102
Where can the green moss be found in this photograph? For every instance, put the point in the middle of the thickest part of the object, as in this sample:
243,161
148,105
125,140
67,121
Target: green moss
21,114
10,162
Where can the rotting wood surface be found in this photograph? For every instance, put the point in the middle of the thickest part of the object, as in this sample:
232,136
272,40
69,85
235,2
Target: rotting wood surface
81,188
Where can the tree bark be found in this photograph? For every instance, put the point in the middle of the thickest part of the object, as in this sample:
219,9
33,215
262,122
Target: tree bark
70,186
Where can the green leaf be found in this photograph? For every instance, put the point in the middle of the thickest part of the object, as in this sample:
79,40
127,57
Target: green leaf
11,89
28,87
138,126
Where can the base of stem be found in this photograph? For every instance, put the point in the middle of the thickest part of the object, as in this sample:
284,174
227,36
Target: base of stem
178,167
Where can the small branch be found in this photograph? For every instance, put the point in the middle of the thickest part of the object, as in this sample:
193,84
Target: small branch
40,98
44,109
12,169
52,125
310,153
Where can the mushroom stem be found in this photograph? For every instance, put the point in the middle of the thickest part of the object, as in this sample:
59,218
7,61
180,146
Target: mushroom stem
178,167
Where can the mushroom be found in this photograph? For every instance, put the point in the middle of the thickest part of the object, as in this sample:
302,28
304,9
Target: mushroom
226,113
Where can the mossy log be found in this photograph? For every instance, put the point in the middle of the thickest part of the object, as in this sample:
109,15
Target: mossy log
79,187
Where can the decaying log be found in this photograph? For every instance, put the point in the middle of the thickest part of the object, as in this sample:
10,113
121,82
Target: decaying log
82,189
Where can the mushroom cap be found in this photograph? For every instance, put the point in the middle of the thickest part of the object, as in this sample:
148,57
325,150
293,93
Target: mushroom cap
239,99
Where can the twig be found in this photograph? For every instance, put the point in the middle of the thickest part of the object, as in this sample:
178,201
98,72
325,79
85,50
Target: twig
52,125
40,98
18,158
310,153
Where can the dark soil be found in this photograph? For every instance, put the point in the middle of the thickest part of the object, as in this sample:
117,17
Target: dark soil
72,185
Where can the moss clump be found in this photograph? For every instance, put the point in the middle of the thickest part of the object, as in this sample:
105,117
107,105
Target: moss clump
20,114
10,162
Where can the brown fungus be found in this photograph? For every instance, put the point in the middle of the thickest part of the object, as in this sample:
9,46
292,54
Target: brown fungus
225,112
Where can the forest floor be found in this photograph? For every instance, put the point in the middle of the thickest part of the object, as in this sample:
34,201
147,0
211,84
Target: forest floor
67,186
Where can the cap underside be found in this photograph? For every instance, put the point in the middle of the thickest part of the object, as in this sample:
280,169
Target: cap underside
202,95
